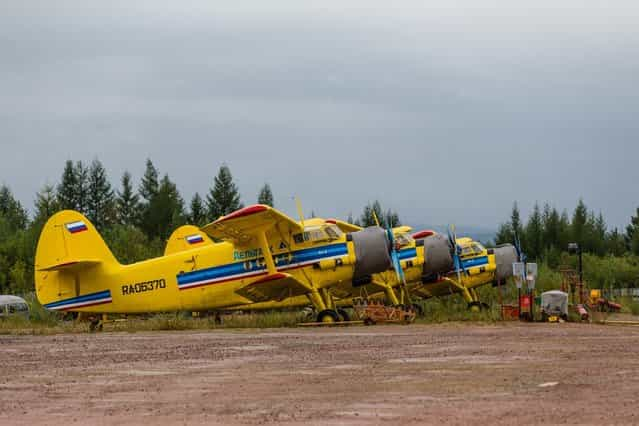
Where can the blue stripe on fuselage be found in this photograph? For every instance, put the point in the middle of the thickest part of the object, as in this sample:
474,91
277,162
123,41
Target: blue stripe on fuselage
257,265
84,298
407,254
476,261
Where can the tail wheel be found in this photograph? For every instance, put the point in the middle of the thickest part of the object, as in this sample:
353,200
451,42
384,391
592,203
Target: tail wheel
328,315
343,315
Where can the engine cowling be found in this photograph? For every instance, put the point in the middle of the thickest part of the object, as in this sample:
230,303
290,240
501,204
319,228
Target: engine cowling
505,256
437,255
371,251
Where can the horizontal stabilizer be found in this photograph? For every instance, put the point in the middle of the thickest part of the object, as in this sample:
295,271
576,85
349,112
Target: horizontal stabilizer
278,286
70,265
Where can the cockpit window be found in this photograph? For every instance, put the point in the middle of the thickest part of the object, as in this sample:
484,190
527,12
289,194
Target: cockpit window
333,232
467,251
403,240
479,249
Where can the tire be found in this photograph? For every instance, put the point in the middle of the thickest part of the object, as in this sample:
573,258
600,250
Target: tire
475,307
368,321
343,315
328,315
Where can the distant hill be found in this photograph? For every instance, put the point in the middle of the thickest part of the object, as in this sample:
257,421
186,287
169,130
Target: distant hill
483,235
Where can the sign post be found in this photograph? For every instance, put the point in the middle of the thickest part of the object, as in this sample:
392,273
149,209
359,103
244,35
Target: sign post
531,280
519,273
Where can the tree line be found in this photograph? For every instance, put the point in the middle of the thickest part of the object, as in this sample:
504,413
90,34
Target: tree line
135,221
547,232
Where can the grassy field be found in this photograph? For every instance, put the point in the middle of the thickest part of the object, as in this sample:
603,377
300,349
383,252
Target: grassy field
452,308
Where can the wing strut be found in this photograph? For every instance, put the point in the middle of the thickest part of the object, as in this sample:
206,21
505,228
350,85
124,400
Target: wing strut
266,251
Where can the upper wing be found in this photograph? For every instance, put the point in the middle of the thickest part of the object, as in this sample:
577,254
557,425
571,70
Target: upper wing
402,230
278,286
243,225
345,226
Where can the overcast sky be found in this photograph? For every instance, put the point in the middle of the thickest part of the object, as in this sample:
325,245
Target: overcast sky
446,111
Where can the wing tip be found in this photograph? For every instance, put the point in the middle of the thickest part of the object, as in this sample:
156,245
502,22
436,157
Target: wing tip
246,211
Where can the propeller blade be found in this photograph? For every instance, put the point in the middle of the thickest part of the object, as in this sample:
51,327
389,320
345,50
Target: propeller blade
397,266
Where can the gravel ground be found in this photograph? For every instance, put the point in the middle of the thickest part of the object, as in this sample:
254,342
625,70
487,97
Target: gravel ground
445,374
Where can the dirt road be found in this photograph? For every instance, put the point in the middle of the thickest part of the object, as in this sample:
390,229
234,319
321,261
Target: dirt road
446,374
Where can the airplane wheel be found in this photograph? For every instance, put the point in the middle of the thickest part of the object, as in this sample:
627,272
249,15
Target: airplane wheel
419,310
368,321
95,325
328,315
475,307
343,315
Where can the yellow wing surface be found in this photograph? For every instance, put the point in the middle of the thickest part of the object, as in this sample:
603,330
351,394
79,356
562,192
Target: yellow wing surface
247,224
265,226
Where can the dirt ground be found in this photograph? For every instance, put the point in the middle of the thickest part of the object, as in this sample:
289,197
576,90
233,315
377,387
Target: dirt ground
446,374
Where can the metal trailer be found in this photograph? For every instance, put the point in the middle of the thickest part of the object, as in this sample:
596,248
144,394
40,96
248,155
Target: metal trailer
554,303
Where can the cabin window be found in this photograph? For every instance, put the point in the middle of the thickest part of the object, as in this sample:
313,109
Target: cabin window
478,248
403,240
333,232
467,251
17,307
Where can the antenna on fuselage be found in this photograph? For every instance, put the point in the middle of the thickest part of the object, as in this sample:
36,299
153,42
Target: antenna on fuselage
300,212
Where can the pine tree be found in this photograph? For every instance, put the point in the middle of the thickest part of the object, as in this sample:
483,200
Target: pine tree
265,196
368,218
100,198
149,190
392,219
615,243
67,189
12,210
551,227
197,214
82,187
149,186
578,225
73,187
534,234
632,233
515,223
224,196
164,212
46,204
600,232
128,203
504,234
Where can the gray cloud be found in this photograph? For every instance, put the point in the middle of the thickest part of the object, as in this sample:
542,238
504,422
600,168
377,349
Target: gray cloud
446,111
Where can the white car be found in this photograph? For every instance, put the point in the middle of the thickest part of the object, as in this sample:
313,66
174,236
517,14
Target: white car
13,306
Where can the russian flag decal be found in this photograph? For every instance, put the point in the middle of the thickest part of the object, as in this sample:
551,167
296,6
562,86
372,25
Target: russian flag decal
75,227
194,239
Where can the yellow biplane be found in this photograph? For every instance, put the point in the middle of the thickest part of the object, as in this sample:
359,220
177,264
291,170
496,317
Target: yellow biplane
259,255
466,263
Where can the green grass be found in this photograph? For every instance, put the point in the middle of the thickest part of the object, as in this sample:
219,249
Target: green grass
54,324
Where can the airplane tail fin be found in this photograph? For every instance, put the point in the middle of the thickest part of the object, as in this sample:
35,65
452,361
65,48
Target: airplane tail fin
69,245
186,237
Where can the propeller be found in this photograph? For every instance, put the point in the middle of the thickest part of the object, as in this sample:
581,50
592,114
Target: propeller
520,253
459,265
394,254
